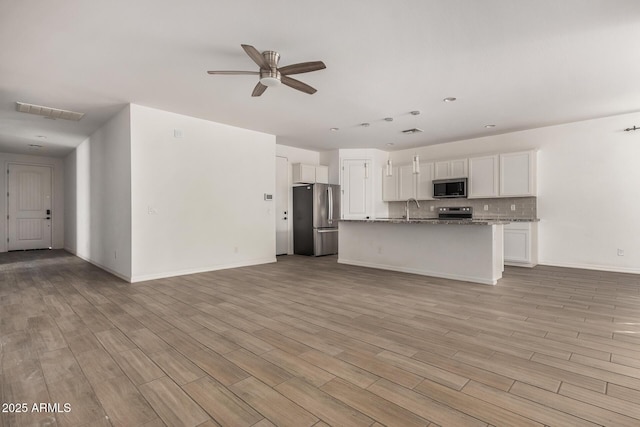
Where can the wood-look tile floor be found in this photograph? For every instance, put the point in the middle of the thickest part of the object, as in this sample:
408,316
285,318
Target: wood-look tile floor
309,342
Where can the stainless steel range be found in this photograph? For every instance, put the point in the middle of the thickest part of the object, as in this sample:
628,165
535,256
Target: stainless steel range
458,212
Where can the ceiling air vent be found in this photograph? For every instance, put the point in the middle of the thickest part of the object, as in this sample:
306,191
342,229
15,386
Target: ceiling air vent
412,131
48,112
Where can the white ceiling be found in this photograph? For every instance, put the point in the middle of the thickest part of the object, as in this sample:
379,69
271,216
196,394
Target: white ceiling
518,64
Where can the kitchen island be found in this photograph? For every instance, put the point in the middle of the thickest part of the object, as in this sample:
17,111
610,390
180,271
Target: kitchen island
469,250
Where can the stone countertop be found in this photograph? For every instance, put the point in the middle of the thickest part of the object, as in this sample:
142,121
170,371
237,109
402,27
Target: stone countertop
493,221
510,219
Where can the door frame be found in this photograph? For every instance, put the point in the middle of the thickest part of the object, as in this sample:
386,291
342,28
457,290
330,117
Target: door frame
289,199
6,197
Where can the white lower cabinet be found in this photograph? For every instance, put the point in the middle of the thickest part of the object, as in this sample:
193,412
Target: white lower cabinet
521,244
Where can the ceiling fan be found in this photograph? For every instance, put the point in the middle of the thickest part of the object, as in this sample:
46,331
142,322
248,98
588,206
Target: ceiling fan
271,75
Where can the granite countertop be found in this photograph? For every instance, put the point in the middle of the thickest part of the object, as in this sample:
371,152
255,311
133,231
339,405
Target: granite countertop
492,221
510,219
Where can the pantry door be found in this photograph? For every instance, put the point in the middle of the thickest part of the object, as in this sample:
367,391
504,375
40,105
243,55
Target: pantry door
29,207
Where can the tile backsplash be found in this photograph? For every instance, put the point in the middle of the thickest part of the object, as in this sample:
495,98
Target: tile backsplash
525,207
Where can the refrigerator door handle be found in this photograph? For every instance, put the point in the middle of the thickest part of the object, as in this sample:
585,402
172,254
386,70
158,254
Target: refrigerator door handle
328,230
330,199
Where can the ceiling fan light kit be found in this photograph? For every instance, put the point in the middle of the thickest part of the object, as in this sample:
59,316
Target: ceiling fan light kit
271,75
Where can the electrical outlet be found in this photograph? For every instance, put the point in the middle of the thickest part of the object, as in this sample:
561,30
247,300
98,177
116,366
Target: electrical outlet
115,254
152,211
513,207
379,249
431,208
235,249
620,252
486,207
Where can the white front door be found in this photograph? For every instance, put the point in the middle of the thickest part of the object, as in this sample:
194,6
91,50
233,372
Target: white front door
282,205
29,205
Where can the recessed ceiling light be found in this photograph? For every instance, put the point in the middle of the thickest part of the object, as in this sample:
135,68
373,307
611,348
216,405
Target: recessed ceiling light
489,126
415,113
390,144
365,125
449,99
41,136
388,119
334,129
35,146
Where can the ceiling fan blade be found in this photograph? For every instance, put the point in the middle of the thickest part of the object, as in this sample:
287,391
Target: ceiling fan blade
303,67
233,72
256,56
258,90
297,84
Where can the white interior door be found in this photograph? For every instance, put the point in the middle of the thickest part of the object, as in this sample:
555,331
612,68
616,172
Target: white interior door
282,205
29,204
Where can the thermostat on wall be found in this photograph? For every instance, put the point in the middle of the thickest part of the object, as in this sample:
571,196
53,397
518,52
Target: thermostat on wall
268,196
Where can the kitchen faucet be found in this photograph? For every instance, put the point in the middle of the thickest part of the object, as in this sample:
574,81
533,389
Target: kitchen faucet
407,208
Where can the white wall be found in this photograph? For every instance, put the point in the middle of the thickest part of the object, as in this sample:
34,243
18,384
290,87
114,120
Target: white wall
198,201
98,202
332,160
57,224
588,188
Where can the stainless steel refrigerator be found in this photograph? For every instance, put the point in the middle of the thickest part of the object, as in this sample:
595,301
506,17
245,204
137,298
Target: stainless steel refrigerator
316,210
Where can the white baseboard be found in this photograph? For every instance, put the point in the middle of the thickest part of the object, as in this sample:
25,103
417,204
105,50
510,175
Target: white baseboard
519,264
609,268
100,266
420,272
154,276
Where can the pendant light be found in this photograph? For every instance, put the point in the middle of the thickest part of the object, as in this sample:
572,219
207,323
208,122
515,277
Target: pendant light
389,170
416,164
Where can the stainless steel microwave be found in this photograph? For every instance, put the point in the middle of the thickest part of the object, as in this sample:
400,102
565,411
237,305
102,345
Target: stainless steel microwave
449,188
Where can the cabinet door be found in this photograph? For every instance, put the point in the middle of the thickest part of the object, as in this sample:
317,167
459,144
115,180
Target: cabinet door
356,187
520,244
389,185
303,174
517,174
517,243
322,174
406,182
443,170
458,168
483,176
424,184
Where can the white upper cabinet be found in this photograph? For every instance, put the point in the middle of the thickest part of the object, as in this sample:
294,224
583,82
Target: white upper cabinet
451,169
356,188
518,174
424,184
406,182
483,176
390,185
309,174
